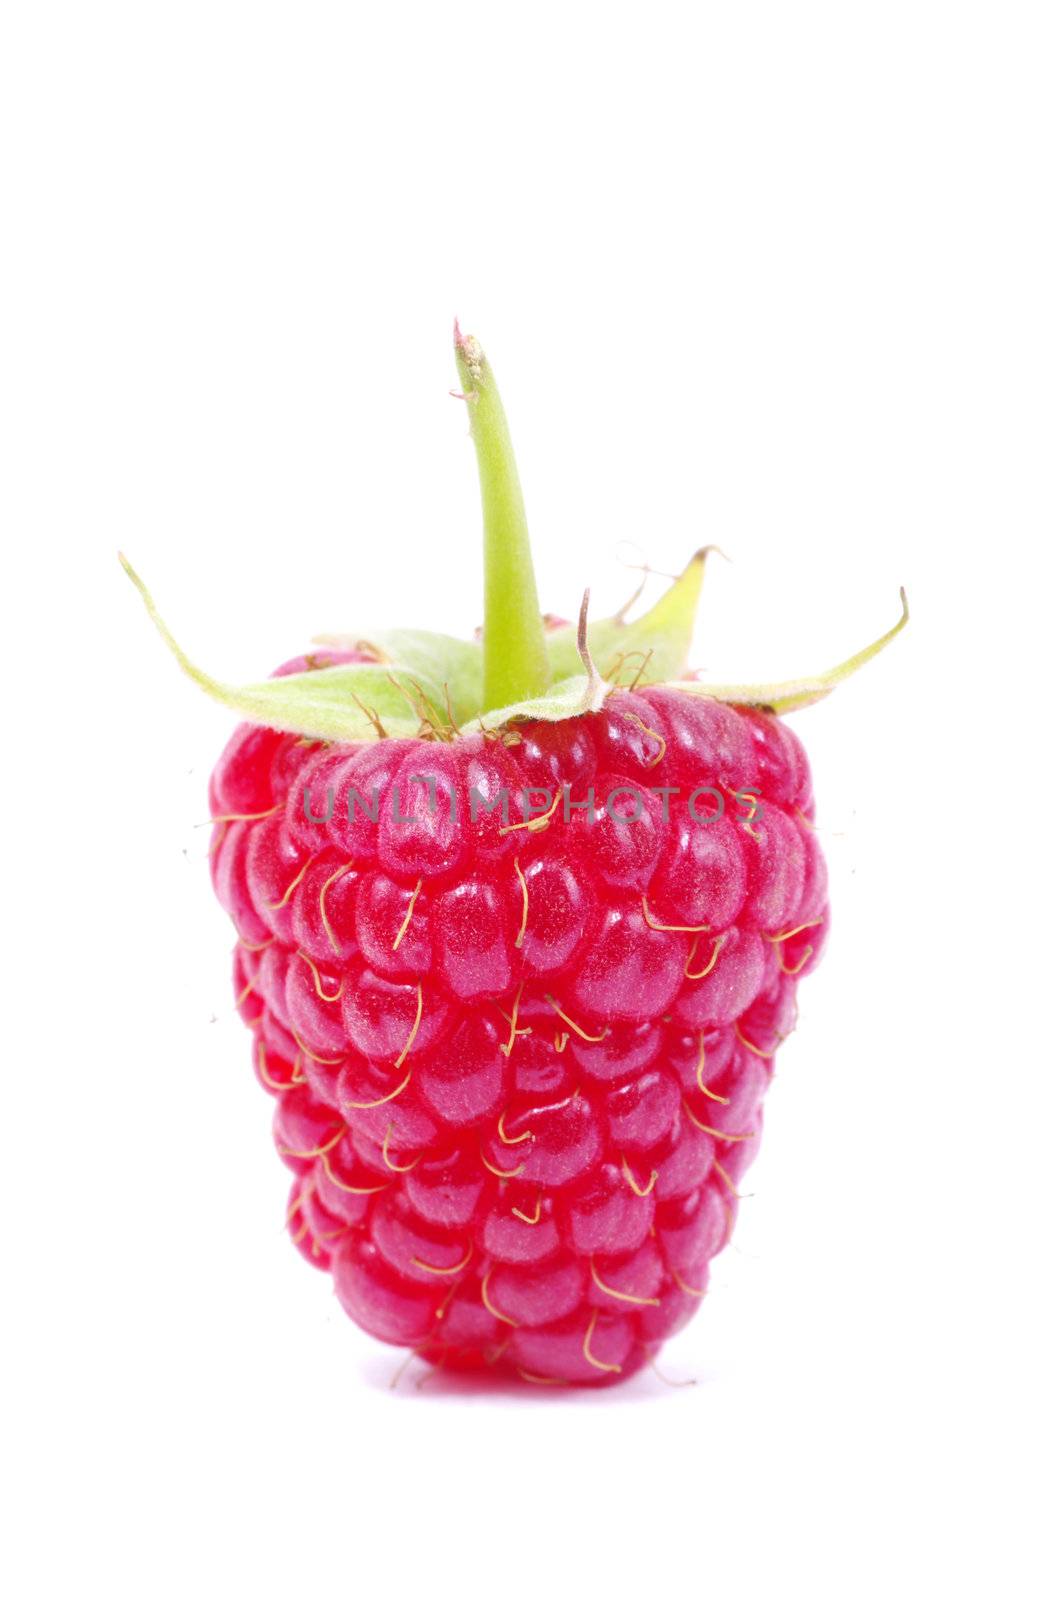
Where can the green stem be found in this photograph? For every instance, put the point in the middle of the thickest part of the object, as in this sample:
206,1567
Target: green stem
515,662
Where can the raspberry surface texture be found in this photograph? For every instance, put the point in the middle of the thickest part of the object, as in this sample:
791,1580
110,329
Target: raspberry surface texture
520,924
519,1065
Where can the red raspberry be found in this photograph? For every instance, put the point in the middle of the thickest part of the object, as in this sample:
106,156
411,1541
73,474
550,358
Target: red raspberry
516,984
519,1090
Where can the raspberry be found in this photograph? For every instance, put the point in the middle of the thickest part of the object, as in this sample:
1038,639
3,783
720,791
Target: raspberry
516,983
519,1096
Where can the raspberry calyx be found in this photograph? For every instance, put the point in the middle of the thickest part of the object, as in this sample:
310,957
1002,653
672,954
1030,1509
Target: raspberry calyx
413,683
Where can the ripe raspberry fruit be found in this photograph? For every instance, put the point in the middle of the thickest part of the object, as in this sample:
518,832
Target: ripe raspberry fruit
520,927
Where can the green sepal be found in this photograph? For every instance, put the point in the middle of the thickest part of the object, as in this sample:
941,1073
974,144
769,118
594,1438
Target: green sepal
322,704
794,693
653,649
573,697
454,664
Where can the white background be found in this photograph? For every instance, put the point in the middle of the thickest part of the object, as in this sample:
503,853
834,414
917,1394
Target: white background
783,277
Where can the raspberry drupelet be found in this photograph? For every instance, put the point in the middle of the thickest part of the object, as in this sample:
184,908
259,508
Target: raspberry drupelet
520,926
